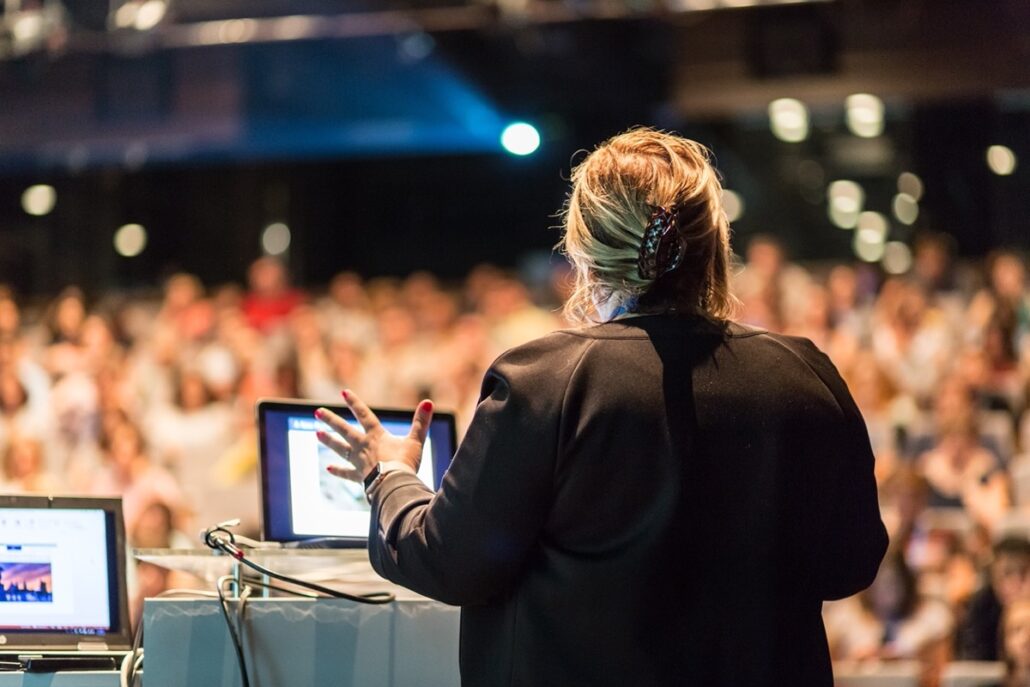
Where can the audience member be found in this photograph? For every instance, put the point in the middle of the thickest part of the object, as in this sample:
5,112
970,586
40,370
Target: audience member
1008,580
1016,633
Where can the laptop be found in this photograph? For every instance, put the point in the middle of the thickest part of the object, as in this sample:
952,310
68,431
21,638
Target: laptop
304,506
62,579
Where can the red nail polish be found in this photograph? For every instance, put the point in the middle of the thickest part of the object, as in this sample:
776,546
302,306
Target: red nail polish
318,413
346,394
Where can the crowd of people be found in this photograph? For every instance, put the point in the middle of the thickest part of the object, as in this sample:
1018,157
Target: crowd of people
153,400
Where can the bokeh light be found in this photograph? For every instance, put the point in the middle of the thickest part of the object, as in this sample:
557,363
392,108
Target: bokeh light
733,204
864,115
275,239
845,199
39,200
897,258
1001,160
905,208
910,183
788,119
130,240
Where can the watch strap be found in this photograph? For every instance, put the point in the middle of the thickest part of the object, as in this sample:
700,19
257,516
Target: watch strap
372,476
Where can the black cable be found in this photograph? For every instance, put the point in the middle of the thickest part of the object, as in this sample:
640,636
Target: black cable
371,598
221,539
237,644
285,590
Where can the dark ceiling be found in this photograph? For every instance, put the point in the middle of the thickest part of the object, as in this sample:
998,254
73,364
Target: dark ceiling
380,149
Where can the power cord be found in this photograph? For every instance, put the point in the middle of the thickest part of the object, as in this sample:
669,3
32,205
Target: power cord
233,632
221,538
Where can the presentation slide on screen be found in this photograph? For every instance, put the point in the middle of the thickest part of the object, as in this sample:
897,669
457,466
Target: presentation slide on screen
53,570
325,505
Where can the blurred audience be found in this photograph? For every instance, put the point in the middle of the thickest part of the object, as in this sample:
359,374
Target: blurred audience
152,399
889,620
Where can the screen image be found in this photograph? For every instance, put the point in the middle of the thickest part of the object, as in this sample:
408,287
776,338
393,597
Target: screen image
26,582
302,499
323,504
54,570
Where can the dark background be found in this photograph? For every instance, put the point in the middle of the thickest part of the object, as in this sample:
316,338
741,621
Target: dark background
381,153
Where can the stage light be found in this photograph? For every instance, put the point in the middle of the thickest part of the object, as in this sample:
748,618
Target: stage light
150,14
130,240
842,218
845,198
906,209
275,239
732,204
140,15
846,195
520,138
125,16
788,119
911,184
868,245
897,258
39,200
28,27
1001,160
873,224
870,235
864,115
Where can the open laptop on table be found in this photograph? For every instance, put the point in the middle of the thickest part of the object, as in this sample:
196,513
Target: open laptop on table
63,598
304,506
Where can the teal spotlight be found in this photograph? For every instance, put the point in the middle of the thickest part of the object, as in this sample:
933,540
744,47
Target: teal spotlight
520,138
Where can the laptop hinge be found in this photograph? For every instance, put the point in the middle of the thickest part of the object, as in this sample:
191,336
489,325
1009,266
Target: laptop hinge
92,646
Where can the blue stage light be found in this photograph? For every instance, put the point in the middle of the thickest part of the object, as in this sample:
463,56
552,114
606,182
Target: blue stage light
520,138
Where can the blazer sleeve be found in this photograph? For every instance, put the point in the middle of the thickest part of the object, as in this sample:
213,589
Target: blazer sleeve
468,543
852,539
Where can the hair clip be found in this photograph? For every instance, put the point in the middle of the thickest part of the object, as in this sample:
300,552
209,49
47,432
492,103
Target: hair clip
662,248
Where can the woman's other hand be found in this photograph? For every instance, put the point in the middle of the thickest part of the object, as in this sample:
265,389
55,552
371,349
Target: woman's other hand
372,445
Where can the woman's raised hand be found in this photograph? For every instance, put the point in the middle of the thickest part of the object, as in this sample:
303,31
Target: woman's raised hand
372,445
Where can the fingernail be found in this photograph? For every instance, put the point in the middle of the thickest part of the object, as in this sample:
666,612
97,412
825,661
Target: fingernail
346,394
329,469
319,413
320,434
426,406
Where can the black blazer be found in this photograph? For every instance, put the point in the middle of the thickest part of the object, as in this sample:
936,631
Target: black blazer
653,501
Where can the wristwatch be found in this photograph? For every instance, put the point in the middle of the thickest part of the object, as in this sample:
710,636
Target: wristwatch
372,477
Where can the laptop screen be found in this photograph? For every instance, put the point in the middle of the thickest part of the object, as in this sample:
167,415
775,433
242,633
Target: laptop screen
61,571
300,499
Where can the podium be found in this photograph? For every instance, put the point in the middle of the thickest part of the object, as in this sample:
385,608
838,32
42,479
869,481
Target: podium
411,642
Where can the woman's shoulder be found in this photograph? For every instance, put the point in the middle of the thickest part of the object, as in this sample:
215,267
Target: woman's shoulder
548,354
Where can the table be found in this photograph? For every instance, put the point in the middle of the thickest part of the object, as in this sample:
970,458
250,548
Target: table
302,643
411,642
79,679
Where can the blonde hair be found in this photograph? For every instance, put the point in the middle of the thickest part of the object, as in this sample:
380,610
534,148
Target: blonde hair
614,191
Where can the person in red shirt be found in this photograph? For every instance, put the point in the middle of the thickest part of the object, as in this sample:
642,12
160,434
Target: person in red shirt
271,299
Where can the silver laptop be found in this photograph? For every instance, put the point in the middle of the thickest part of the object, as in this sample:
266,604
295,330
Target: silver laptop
62,578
